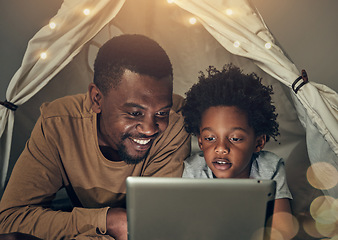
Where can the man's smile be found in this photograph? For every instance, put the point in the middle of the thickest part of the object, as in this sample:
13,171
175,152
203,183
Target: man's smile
141,144
141,141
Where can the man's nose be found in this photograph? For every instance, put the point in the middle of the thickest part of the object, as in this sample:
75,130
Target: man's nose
148,126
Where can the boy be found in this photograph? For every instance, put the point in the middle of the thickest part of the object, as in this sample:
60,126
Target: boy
232,116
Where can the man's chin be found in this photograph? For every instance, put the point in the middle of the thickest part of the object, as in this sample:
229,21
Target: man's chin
127,158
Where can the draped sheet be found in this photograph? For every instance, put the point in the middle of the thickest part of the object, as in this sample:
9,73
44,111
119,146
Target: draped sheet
316,104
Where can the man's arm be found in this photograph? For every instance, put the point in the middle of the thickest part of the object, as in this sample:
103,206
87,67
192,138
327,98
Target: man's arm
17,236
117,223
25,205
282,220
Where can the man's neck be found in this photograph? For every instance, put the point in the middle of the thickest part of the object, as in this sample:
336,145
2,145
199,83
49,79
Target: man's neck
110,153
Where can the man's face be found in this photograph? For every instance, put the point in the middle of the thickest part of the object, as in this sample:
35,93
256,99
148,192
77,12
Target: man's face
228,142
132,115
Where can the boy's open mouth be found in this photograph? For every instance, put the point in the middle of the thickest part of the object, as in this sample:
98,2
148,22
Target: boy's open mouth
222,164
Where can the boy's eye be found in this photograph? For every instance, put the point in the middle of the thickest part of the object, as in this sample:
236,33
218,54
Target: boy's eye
234,139
209,139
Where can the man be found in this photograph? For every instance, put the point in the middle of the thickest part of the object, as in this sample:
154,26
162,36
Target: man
128,124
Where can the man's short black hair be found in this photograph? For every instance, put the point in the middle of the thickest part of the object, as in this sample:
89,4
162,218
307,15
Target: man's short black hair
230,87
134,52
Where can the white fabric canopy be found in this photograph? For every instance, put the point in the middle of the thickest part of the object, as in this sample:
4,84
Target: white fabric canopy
63,43
242,34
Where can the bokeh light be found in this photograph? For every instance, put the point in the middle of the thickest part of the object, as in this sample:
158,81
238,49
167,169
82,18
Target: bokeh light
309,226
335,237
170,1
327,230
272,234
324,211
322,175
293,226
321,209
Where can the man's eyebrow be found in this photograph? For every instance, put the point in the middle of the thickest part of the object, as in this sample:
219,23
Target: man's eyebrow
133,105
168,106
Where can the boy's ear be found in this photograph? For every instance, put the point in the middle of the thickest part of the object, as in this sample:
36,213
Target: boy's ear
96,97
200,142
260,143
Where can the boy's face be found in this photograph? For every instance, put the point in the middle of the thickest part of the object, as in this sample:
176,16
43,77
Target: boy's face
228,142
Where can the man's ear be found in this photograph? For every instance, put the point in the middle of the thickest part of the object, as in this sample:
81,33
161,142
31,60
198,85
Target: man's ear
199,139
260,143
96,97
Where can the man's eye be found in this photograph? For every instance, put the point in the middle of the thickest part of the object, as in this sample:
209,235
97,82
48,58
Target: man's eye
135,114
162,114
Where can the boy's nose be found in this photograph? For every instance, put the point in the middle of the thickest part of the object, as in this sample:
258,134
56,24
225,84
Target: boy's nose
222,148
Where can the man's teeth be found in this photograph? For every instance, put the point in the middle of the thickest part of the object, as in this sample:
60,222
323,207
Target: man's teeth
221,162
142,142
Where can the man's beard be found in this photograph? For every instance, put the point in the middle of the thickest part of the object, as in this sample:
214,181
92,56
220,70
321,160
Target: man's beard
121,149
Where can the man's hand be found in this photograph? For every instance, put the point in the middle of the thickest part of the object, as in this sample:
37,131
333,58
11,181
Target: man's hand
117,223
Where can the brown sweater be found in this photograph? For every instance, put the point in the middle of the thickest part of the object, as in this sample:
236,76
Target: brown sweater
62,152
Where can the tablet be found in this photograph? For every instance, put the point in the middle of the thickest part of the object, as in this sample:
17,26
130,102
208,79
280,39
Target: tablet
193,209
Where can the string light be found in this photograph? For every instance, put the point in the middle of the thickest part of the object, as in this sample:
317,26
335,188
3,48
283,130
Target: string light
52,25
43,55
86,12
229,12
192,20
267,45
236,44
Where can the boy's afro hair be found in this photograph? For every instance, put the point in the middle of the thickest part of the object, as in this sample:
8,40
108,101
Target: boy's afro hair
230,87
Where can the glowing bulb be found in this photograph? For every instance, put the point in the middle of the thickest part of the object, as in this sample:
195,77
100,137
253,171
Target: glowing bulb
86,12
43,55
170,1
267,45
229,12
236,44
192,20
52,25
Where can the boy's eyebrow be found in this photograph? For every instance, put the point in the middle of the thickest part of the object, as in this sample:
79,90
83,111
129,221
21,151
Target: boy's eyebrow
207,129
233,129
131,104
239,128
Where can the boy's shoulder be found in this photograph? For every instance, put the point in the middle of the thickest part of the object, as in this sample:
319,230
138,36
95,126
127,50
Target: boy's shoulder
266,165
196,167
268,157
195,158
